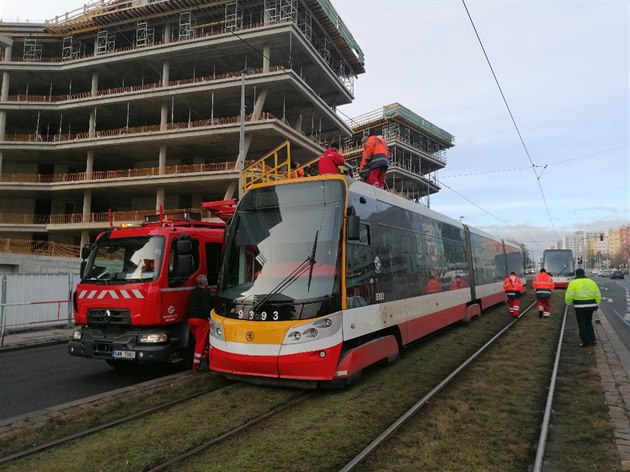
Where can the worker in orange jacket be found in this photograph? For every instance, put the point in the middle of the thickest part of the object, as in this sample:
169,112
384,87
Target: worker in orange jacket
375,160
543,286
513,288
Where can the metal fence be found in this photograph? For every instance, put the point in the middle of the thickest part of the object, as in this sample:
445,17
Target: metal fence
30,301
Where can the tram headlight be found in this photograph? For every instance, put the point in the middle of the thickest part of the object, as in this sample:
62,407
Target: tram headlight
325,323
296,335
215,330
312,332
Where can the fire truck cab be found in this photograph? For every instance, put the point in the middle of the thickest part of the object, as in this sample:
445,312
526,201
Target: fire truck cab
135,285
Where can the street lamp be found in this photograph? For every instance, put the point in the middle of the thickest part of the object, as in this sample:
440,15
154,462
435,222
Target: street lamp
461,218
240,162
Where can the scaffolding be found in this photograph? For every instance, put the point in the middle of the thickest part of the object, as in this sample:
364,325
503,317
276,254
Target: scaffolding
186,30
105,42
280,11
232,20
305,23
32,50
144,35
70,50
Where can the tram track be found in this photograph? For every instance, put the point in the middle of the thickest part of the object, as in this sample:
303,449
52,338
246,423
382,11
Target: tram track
110,424
411,412
280,426
229,434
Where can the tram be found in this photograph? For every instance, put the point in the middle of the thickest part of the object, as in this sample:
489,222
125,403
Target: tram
323,276
559,263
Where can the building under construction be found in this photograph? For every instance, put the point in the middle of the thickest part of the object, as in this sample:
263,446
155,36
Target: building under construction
136,105
120,108
417,148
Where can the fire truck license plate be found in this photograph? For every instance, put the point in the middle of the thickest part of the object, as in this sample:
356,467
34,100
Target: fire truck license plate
123,354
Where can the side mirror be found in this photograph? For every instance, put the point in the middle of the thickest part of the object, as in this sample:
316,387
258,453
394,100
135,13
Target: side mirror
354,228
185,264
82,268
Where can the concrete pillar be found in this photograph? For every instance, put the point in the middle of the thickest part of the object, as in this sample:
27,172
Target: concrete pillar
162,160
3,124
259,104
94,84
1,163
266,57
167,33
159,197
87,205
4,94
231,190
92,124
85,237
166,73
89,165
164,116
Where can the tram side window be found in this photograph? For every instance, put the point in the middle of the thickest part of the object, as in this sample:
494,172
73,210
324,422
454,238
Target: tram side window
360,270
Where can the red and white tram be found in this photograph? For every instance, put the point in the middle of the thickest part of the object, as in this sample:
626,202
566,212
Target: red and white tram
324,276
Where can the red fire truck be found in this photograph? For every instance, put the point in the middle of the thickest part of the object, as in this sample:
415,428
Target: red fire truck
135,285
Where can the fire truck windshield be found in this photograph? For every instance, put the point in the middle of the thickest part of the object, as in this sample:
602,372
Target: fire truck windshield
283,246
125,260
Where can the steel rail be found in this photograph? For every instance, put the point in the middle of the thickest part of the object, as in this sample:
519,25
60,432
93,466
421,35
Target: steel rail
101,427
231,433
396,425
544,429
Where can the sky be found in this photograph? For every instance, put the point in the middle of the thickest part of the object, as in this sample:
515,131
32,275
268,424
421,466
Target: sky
541,119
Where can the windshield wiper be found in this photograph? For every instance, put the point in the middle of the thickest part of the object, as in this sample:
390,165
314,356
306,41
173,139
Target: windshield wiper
562,270
310,270
306,265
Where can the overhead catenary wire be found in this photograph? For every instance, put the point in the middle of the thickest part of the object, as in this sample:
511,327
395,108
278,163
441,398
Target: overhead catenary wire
549,164
518,131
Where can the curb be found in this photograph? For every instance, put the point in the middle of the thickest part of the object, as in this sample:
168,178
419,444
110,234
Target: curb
613,362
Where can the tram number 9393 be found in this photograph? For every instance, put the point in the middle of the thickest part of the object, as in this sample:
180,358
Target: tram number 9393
262,316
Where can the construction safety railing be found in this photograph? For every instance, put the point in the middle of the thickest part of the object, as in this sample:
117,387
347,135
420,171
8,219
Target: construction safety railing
128,216
137,130
130,88
397,110
120,173
39,248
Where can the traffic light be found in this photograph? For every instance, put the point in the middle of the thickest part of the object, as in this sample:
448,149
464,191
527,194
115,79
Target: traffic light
601,236
580,260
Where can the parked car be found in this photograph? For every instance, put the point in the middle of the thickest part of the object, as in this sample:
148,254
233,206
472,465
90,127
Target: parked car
617,274
606,273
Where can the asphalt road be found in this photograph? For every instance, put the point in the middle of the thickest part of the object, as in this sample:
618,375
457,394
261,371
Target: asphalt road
41,377
615,305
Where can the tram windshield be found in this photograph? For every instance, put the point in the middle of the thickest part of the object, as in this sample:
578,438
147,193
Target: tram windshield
559,262
283,245
124,260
